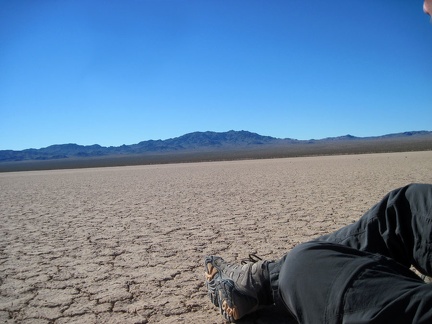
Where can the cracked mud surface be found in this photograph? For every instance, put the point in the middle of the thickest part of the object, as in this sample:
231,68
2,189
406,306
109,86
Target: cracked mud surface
126,244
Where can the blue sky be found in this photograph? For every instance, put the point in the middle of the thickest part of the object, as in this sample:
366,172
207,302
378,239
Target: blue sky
116,72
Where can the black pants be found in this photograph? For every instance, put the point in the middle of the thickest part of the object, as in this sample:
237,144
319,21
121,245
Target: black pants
360,273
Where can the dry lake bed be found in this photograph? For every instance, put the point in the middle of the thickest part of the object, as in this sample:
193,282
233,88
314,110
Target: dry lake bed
126,244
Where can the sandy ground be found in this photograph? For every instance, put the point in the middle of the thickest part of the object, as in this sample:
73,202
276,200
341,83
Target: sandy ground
126,244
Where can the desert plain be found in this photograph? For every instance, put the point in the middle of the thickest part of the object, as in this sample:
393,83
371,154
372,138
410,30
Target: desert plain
126,244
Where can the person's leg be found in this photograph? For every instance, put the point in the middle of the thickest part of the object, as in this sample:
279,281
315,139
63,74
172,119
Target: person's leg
399,227
322,282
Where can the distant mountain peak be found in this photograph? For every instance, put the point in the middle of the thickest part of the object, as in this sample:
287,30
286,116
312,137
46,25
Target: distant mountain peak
195,141
344,137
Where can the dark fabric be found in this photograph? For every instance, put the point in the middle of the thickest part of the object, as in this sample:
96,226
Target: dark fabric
274,271
399,227
322,282
360,273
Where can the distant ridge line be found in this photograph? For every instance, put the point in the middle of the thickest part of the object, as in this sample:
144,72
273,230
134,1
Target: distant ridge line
208,146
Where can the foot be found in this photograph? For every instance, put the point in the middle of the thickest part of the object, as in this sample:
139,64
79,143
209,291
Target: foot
232,304
237,289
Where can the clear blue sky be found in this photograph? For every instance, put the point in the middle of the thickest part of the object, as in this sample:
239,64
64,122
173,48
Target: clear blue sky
118,72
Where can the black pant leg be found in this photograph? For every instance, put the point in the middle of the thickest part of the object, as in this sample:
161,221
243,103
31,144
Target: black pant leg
321,282
399,227
419,197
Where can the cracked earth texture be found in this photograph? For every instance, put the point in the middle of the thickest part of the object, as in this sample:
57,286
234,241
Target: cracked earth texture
126,244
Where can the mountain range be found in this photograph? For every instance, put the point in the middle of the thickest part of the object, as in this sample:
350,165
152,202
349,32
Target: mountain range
209,145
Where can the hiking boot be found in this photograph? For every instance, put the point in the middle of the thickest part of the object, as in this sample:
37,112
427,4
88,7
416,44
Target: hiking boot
232,304
237,289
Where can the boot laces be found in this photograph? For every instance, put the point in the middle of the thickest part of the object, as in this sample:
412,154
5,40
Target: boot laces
252,258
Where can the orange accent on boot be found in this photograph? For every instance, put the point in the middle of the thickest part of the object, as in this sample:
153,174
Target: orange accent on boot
211,272
231,311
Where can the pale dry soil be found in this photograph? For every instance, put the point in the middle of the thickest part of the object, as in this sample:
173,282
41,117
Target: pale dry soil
126,244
